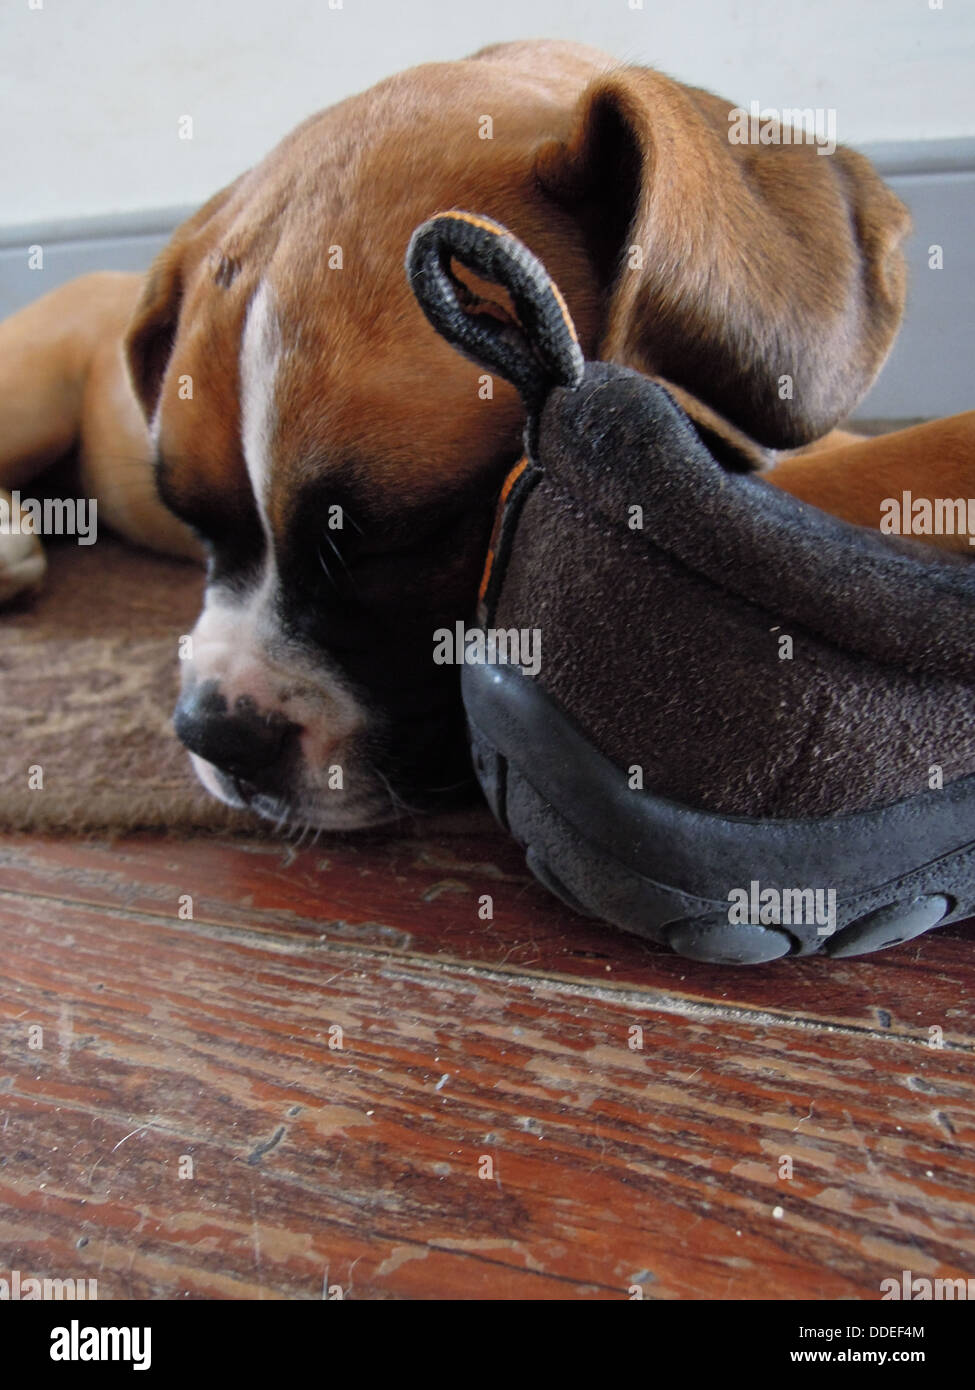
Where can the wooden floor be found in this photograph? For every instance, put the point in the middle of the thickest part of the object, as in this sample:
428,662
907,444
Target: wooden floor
336,1076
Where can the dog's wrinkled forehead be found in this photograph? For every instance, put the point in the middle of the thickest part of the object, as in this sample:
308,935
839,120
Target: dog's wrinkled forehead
330,436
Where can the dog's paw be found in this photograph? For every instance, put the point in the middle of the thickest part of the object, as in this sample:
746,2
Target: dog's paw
22,560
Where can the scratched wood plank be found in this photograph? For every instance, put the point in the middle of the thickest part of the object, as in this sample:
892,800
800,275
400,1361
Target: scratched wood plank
359,1166
422,895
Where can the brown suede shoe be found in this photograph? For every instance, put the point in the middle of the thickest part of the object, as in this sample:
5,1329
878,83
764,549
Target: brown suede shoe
714,716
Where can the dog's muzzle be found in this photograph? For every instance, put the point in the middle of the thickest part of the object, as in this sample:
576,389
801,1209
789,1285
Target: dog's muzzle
251,748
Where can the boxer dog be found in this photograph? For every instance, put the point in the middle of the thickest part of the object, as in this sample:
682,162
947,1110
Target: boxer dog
270,395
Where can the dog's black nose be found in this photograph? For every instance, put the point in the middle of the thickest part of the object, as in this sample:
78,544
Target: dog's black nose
242,742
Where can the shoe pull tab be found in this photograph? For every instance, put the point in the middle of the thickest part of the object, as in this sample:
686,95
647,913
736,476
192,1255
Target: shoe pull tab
538,352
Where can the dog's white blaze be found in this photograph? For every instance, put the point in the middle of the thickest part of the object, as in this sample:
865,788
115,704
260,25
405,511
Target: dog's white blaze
260,359
238,641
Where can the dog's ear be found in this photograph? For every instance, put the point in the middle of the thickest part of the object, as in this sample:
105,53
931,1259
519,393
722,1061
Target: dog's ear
767,280
151,333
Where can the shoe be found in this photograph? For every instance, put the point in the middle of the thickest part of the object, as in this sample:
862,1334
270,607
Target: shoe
750,733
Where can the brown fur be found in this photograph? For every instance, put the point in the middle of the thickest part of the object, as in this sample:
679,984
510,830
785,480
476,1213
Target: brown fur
757,262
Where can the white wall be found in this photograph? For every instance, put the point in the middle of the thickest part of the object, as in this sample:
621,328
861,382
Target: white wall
91,90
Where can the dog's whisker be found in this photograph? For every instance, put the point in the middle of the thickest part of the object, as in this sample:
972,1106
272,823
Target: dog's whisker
336,552
328,573
396,800
450,787
341,559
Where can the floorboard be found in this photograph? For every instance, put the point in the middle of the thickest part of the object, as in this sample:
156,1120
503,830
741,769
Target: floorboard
336,1075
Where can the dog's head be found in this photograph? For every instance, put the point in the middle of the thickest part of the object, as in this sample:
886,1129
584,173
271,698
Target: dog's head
340,461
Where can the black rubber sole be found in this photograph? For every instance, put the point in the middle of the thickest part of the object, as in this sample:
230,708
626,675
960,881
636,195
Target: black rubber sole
675,875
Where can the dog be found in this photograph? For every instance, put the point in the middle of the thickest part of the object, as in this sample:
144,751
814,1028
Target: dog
270,397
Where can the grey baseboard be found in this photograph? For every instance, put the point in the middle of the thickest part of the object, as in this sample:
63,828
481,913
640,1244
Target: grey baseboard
929,372
76,246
